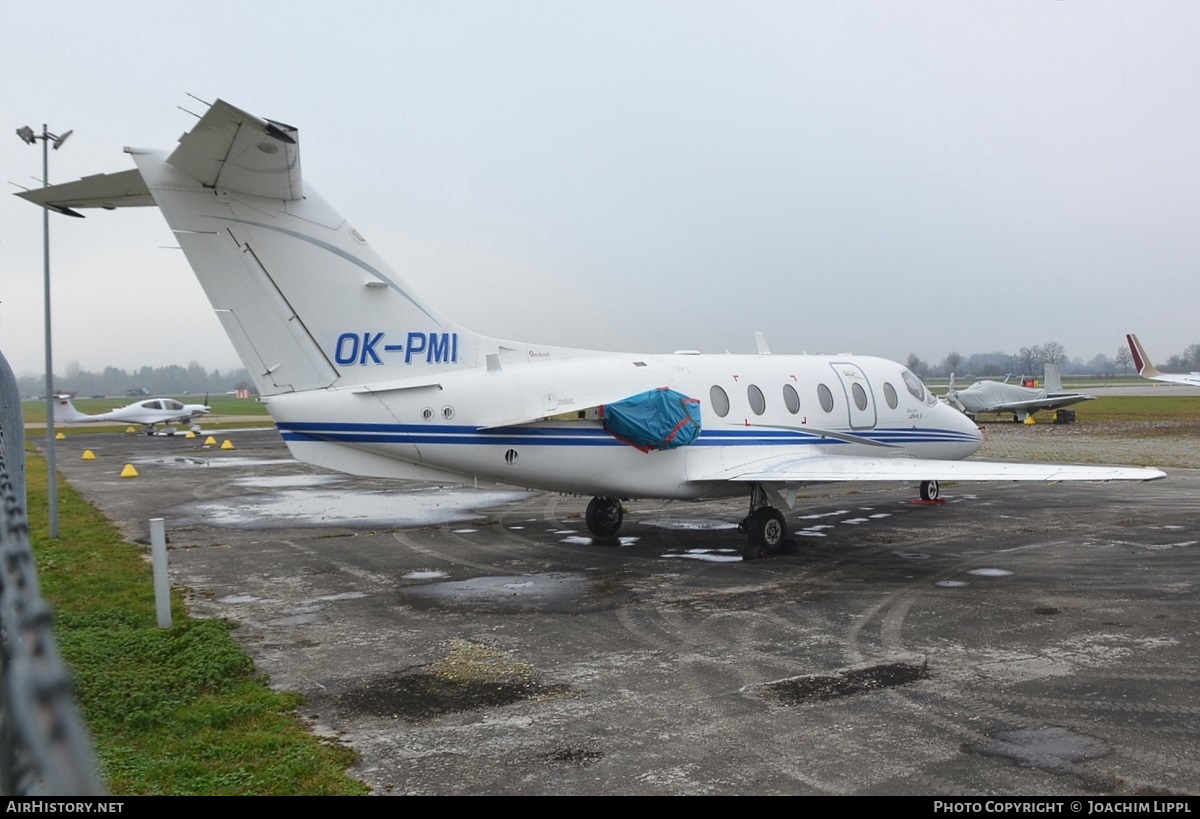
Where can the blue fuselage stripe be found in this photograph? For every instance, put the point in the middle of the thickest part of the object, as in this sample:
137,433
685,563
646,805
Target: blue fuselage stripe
593,436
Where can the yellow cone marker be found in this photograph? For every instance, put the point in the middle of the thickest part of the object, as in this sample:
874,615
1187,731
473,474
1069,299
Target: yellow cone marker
129,471
190,434
60,437
209,441
88,455
1030,420
130,431
228,444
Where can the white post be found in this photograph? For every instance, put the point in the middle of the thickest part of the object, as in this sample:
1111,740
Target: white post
158,559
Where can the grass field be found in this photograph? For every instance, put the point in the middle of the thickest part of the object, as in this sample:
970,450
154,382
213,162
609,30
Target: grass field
171,711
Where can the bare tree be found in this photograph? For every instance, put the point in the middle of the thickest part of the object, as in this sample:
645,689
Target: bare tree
1029,357
1053,353
952,363
1123,359
1192,356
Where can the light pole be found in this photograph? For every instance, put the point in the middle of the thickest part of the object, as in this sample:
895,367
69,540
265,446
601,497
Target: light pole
48,139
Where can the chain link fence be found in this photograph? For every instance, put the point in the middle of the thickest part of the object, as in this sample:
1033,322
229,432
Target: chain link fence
44,747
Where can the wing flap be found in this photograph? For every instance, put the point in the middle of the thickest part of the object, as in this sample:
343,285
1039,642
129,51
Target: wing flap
836,468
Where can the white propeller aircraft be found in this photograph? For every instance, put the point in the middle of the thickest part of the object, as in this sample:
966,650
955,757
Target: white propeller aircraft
1001,398
364,376
1147,370
149,413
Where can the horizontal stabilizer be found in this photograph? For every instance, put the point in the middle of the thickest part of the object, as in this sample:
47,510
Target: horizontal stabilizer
104,190
229,148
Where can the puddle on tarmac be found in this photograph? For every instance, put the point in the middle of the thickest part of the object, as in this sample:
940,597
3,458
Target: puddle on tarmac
506,594
990,572
1056,750
690,524
427,574
288,508
708,555
912,555
287,481
951,584
205,463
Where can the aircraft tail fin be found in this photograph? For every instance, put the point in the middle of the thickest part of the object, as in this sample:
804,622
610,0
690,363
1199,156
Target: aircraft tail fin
65,411
304,298
1053,379
1140,359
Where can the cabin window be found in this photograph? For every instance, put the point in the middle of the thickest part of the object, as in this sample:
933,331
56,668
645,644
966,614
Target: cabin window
860,395
791,399
825,397
719,401
889,395
758,401
915,387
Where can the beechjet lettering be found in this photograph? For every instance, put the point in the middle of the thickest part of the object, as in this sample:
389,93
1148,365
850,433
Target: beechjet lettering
435,401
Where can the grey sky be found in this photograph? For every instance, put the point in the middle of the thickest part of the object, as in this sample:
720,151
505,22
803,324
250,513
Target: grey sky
872,177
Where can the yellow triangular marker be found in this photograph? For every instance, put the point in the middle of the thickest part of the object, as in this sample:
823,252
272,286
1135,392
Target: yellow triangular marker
209,441
88,455
227,445
129,471
190,434
60,437
130,430
1030,420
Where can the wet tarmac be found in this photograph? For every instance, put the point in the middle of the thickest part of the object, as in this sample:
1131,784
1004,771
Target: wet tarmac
1016,639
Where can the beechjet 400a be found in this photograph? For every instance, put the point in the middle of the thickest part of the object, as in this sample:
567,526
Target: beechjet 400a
149,413
364,376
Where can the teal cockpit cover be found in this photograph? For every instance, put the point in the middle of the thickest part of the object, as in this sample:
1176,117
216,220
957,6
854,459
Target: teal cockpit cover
658,419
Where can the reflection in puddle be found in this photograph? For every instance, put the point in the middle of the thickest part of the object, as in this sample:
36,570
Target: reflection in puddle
297,507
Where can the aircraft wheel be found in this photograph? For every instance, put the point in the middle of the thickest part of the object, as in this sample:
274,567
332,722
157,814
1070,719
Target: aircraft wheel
766,527
930,490
604,516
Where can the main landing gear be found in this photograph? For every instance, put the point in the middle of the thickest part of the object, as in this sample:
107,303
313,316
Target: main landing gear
764,527
604,516
930,490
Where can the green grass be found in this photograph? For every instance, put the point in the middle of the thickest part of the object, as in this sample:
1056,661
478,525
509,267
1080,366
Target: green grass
1142,408
171,711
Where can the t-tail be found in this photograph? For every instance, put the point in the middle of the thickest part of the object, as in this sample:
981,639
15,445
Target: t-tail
306,301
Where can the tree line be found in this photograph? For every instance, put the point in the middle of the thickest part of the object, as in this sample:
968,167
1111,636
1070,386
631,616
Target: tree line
171,380
1031,361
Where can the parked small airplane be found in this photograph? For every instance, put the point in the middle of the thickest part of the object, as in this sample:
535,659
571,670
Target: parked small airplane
149,413
999,397
364,376
1148,370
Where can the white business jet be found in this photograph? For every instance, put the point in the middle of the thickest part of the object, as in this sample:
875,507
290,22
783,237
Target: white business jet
1147,370
362,375
149,413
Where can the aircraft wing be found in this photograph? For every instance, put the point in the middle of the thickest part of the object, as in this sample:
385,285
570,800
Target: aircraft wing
1047,403
839,468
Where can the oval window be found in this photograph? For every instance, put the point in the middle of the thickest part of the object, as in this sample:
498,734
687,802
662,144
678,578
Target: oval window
719,401
825,397
791,399
860,396
758,401
889,395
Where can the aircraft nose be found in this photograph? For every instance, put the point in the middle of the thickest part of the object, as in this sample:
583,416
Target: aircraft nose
970,435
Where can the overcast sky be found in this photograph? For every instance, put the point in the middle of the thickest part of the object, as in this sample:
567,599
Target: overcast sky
873,177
